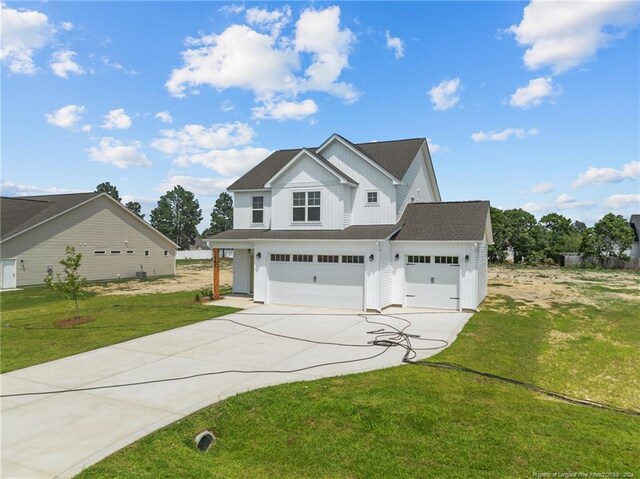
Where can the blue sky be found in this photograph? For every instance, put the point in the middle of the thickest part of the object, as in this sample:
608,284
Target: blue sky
532,105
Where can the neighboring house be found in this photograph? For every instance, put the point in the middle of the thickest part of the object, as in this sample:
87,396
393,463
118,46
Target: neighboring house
355,226
114,242
635,225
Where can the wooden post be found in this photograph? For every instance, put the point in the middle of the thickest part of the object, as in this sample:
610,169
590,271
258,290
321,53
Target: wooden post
216,273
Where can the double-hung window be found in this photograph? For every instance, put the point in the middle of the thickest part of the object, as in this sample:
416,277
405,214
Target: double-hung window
257,203
306,206
372,198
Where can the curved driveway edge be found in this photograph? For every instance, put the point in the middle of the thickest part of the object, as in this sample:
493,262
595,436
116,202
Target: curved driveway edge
58,435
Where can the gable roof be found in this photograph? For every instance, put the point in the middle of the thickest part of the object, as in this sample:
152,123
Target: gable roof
19,214
450,221
395,157
635,224
320,159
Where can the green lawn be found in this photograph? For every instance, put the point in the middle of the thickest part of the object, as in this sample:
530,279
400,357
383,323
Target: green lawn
30,334
419,422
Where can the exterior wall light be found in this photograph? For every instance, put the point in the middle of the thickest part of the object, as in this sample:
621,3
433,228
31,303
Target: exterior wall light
258,255
466,258
397,256
371,257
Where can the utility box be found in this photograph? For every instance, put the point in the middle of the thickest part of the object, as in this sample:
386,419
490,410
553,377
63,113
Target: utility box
141,274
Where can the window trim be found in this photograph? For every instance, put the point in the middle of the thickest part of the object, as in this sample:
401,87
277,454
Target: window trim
255,210
306,206
147,252
372,203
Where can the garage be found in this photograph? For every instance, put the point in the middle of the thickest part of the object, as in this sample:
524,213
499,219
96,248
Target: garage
317,280
432,281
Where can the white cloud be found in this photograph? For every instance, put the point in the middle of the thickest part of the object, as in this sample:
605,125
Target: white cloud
395,44
62,63
231,162
67,116
197,185
629,171
540,188
143,200
285,110
86,128
67,26
534,93
503,135
23,32
618,202
196,138
164,116
117,66
564,201
435,148
563,35
116,119
117,153
445,95
9,188
534,207
269,64
226,106
272,21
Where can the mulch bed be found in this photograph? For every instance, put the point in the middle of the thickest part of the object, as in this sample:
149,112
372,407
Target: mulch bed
71,322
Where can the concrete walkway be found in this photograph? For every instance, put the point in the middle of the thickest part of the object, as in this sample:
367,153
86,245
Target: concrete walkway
58,435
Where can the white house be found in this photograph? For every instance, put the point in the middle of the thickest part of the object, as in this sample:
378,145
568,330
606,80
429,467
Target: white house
357,226
114,242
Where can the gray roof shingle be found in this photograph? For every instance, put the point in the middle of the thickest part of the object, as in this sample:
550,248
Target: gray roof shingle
20,213
395,157
450,221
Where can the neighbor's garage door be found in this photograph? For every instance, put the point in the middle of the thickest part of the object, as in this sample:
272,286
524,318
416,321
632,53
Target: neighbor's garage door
336,284
432,281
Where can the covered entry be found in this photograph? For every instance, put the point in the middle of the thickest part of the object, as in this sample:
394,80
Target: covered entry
432,281
320,280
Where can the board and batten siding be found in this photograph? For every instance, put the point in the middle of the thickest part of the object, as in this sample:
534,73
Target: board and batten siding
415,184
99,225
482,266
386,275
241,271
369,178
243,210
306,174
468,276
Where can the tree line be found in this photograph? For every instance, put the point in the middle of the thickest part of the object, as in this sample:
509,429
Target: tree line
178,214
533,242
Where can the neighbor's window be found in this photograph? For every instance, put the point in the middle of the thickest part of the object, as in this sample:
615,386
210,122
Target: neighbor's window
116,251
147,252
306,206
166,253
257,203
372,197
130,251
446,260
100,252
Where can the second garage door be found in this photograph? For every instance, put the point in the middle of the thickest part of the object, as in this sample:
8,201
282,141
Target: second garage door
330,281
432,281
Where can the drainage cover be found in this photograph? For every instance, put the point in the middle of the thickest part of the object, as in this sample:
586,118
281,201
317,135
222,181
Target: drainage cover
204,440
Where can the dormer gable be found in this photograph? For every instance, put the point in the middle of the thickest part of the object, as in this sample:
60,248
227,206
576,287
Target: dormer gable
305,153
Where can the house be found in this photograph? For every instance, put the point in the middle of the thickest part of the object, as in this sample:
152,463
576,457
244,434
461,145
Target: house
635,225
114,242
357,226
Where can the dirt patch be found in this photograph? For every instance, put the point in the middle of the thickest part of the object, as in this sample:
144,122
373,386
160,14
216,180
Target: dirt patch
545,287
71,322
189,277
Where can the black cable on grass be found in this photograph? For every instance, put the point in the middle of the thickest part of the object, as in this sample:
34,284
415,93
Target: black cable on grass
532,387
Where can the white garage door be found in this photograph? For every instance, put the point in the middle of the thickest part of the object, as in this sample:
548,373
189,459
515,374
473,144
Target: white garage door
432,284
8,273
330,285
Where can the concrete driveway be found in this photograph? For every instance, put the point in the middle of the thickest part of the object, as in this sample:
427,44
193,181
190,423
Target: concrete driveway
58,435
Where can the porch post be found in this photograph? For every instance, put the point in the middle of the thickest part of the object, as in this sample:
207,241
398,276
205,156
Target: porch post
216,273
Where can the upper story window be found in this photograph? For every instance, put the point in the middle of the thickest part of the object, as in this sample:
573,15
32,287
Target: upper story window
372,198
257,203
306,206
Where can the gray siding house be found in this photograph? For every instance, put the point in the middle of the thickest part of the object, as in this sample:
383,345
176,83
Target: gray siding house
114,242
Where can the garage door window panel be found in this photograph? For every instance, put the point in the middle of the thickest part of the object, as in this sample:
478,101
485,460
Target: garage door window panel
328,258
447,260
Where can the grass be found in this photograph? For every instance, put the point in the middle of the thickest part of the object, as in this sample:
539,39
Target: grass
30,334
423,422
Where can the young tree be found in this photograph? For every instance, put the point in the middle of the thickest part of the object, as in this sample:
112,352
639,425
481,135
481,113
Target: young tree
177,216
590,245
109,189
135,207
557,234
614,234
69,283
222,214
